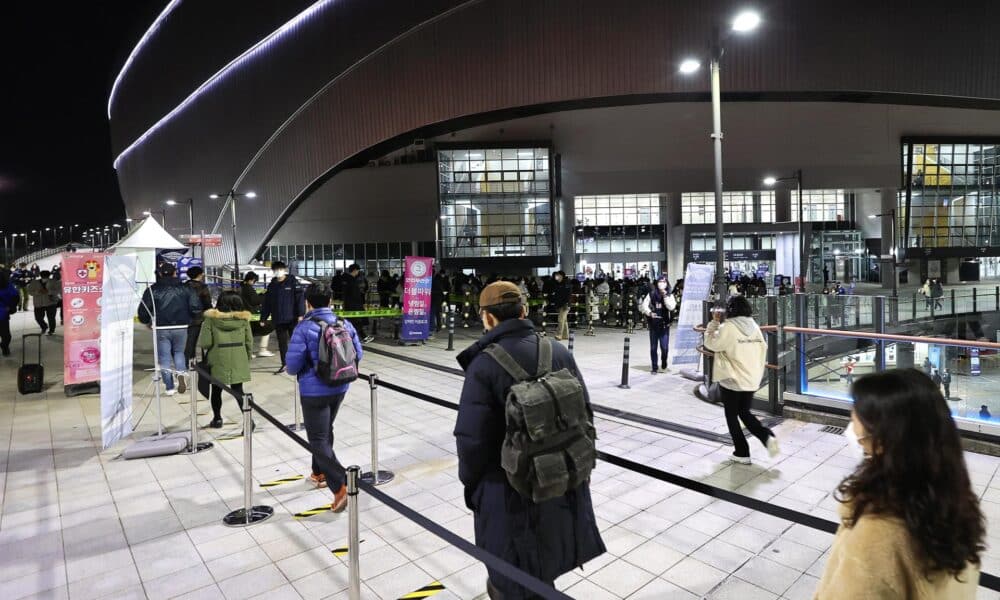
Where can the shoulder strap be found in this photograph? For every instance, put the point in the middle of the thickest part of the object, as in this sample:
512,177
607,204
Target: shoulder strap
544,356
505,360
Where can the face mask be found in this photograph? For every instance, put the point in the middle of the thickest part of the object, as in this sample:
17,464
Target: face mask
662,285
854,442
280,273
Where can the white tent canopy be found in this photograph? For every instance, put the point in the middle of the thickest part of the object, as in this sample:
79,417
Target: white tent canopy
143,242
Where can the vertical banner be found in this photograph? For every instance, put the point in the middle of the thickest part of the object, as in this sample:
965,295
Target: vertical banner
416,299
82,278
186,262
117,313
697,289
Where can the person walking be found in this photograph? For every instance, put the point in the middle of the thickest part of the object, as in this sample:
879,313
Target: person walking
196,281
925,291
20,279
738,367
45,298
849,370
927,366
658,306
225,338
175,305
548,537
320,400
937,292
354,298
386,288
10,300
911,525
283,306
252,301
946,382
559,300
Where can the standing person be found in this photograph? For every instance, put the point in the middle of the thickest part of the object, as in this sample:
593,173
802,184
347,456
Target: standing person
20,279
936,378
10,299
545,538
559,300
826,275
45,298
658,307
386,287
925,290
196,281
738,367
937,292
320,400
984,412
57,282
253,301
849,370
910,526
175,306
354,298
225,338
927,366
283,305
946,382
440,287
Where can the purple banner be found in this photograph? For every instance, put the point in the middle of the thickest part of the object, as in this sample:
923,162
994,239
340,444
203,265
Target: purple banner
417,299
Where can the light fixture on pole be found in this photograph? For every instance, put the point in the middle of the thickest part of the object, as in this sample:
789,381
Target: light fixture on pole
892,249
190,203
231,199
744,22
803,256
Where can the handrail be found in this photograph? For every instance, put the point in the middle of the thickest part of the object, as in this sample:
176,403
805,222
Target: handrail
890,337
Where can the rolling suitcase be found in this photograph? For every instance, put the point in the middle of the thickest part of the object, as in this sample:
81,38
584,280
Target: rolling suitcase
30,376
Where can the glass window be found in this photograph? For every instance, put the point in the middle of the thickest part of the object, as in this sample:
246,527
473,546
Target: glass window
737,207
820,205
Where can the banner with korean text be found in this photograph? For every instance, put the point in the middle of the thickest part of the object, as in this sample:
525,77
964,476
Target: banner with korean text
417,298
82,280
117,324
697,289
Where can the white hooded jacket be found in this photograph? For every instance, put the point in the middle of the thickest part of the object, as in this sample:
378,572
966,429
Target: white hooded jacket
740,353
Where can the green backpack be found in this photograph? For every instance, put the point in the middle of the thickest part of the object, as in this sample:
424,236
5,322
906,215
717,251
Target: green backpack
549,447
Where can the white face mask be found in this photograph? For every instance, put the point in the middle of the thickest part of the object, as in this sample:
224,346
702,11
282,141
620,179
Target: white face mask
854,442
662,285
280,273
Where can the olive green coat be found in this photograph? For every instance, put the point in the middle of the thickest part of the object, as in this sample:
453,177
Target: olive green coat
227,340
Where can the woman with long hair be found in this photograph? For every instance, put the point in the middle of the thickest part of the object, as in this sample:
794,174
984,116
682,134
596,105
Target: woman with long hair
910,522
228,345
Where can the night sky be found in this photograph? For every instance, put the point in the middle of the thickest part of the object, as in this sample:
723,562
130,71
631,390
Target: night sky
59,60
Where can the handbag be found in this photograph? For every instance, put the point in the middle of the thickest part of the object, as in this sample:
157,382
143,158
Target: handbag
204,385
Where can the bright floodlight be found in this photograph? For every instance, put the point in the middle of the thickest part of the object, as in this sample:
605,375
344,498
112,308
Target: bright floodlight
770,180
747,20
872,216
690,66
214,196
251,194
171,202
147,213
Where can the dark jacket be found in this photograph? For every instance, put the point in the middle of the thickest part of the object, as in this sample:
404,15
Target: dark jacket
303,354
545,539
252,301
173,302
204,297
227,340
354,292
559,296
283,302
9,298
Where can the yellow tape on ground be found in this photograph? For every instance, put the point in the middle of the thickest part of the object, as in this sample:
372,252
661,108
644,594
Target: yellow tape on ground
425,592
229,436
312,512
277,482
343,551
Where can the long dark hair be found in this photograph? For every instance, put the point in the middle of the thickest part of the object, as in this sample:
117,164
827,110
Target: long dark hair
229,301
916,471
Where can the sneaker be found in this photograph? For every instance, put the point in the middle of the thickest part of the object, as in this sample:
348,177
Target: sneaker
5,350
653,371
317,480
264,353
773,449
181,384
51,332
170,392
44,328
740,460
369,339
280,370
216,423
339,500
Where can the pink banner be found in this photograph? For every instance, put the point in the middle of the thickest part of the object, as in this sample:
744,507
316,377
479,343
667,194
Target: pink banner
82,278
417,298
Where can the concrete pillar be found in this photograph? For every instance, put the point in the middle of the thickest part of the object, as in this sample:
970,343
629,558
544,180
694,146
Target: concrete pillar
670,216
783,205
886,265
566,250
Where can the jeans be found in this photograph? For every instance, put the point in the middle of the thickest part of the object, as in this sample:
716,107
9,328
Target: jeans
23,293
318,414
170,346
562,330
737,407
46,312
283,331
217,399
659,339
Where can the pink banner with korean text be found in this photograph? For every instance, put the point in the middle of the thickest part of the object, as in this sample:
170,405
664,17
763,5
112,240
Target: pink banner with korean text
417,298
82,280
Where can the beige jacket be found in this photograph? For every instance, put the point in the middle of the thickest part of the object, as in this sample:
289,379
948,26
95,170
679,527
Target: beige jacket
740,353
875,560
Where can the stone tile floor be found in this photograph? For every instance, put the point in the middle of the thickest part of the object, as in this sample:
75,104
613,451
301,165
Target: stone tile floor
79,522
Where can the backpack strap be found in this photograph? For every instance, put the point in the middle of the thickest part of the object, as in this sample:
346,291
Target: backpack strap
505,360
544,356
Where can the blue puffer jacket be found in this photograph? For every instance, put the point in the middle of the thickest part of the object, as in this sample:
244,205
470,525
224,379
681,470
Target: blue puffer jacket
8,298
303,353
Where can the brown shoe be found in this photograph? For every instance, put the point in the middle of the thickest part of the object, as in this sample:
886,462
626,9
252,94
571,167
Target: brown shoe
181,384
339,500
317,480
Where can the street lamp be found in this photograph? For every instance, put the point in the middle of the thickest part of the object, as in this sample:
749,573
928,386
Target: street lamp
803,257
231,199
190,203
744,22
892,249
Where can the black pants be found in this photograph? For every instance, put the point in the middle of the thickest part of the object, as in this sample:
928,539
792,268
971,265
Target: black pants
659,339
46,312
194,331
318,414
217,399
5,335
283,331
737,407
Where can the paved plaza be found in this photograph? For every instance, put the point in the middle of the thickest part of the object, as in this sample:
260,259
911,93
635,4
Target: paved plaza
78,522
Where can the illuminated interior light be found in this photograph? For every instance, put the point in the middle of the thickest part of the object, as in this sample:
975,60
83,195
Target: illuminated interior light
138,48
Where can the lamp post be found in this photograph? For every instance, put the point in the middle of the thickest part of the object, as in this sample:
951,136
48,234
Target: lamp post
118,231
803,256
744,22
893,250
190,203
231,199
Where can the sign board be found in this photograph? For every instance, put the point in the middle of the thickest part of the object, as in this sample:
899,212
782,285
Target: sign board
186,262
697,289
974,367
82,282
117,314
416,298
209,240
934,269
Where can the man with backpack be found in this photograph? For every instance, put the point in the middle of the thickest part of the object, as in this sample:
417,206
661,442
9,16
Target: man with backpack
528,487
323,354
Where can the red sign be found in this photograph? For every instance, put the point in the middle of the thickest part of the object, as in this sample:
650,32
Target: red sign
207,240
82,280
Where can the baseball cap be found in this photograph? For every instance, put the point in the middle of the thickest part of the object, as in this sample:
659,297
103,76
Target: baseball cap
499,292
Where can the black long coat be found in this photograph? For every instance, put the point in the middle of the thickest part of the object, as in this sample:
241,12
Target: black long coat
545,539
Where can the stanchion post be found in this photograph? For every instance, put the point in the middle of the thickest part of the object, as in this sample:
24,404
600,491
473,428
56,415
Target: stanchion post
249,514
773,392
913,309
878,302
624,384
974,303
296,424
953,311
353,536
194,446
375,476
451,330
572,337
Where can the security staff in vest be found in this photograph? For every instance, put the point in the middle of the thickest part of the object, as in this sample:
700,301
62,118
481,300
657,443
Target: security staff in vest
547,538
658,306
